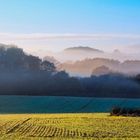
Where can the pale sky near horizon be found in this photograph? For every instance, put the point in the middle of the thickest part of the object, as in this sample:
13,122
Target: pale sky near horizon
38,25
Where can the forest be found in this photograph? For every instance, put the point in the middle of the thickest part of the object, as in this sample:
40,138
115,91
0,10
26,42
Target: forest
25,74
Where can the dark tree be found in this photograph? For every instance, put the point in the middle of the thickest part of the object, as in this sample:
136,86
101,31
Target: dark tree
47,66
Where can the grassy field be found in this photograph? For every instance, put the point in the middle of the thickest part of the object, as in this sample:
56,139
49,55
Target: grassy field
57,104
68,126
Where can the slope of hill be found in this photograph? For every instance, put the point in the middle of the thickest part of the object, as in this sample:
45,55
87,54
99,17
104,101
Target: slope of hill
87,66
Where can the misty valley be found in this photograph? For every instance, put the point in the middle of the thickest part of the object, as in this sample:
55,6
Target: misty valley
25,74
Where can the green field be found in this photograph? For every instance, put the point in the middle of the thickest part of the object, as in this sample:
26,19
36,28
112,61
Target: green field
68,126
58,104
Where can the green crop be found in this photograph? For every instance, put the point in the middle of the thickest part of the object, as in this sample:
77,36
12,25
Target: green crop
68,126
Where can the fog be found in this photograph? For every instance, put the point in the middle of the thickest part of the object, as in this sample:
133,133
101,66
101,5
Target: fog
24,74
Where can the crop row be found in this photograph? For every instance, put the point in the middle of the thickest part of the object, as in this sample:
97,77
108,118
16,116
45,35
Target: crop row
46,121
10,126
31,130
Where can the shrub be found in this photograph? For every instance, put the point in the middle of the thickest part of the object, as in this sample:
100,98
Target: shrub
117,111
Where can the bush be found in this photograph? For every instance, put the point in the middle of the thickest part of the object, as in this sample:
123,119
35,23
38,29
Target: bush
117,111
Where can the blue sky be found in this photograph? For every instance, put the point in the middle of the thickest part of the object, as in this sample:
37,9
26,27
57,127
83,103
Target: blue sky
78,17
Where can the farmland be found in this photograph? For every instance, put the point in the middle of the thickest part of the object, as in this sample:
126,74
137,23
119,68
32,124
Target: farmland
68,126
61,104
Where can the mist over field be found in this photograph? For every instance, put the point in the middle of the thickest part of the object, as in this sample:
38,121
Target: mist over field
25,74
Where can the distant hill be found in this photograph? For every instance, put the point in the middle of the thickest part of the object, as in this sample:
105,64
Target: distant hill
78,53
102,70
82,48
87,66
84,52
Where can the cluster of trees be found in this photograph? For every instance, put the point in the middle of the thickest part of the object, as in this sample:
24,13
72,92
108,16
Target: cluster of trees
118,111
22,74
14,59
111,85
137,78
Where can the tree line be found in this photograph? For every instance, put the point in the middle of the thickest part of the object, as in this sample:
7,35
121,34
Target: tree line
23,74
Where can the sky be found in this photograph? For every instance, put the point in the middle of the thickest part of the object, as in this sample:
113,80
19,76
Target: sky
41,25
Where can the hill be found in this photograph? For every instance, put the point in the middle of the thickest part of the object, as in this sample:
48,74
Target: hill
84,52
102,70
78,53
85,67
82,48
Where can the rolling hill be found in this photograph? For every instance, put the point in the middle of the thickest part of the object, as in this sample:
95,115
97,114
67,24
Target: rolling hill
87,66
